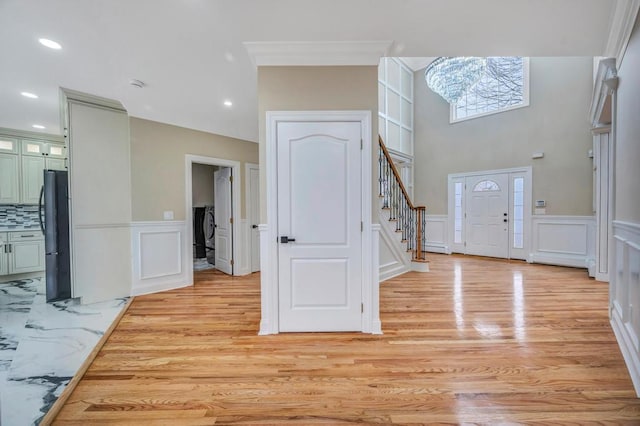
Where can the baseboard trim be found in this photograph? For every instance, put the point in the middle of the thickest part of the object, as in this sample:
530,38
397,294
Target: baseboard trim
155,288
391,273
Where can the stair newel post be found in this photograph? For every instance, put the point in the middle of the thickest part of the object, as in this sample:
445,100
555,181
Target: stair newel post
420,237
424,234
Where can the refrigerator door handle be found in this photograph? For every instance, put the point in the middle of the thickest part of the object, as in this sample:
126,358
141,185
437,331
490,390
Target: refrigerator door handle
40,209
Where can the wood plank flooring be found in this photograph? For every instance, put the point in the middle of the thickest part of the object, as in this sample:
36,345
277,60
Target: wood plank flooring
473,341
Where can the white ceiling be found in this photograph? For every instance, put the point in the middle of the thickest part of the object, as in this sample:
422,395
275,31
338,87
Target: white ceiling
191,54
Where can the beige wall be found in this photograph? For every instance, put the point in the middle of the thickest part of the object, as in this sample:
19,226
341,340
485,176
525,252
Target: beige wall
627,174
556,123
202,187
157,165
314,88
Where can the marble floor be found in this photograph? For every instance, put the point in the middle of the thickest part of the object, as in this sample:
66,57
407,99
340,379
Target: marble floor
42,345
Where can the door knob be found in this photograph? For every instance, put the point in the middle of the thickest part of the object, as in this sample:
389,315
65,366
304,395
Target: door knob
285,240
505,214
254,226
505,220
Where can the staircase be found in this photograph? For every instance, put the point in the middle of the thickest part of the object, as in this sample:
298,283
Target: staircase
402,237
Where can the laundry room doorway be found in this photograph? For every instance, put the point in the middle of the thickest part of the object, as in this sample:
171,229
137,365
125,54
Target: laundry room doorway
211,201
203,207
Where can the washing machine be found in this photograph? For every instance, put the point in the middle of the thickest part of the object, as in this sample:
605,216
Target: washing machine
209,226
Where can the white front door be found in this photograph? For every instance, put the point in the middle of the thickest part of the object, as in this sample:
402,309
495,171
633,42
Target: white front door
223,220
253,213
319,226
487,221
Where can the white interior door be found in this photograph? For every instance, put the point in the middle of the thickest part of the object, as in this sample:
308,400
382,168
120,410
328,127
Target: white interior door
254,217
319,213
487,221
223,220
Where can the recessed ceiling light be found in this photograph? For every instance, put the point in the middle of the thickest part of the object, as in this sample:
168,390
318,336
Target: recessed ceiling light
228,103
29,95
38,126
50,43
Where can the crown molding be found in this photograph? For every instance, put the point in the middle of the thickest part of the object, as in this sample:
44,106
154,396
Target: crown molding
417,63
275,53
31,135
623,19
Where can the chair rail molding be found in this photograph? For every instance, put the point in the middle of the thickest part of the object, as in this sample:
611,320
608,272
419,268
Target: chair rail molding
159,260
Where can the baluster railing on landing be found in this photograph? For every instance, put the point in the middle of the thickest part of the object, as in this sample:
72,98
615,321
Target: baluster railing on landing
409,219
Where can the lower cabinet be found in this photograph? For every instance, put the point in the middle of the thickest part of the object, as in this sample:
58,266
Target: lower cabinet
4,242
22,252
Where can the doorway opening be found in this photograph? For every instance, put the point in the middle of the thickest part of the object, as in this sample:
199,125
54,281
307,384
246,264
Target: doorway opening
212,188
490,213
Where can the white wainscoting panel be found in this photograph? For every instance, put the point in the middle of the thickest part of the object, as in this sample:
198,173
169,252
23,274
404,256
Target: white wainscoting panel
563,240
436,231
159,256
624,295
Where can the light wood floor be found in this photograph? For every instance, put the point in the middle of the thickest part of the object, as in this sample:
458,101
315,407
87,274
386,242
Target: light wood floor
475,340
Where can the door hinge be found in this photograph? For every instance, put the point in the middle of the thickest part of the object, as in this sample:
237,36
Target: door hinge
362,308
361,226
230,220
230,178
361,144
231,262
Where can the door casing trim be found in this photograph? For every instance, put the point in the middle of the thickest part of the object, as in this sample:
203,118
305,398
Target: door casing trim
189,160
269,276
527,171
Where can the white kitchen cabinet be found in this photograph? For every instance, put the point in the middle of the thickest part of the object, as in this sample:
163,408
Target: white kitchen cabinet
25,252
54,150
32,177
8,145
37,156
55,163
9,178
4,243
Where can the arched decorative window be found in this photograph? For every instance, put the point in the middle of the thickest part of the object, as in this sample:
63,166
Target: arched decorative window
486,185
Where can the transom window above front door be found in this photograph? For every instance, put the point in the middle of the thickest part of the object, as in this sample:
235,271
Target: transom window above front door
486,185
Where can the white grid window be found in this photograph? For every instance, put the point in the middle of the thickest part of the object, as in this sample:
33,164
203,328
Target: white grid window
505,86
457,227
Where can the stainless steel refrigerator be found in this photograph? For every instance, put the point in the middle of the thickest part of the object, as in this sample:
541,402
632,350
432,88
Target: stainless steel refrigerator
54,222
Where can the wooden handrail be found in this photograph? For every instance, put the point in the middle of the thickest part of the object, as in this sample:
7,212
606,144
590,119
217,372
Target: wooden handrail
414,229
397,175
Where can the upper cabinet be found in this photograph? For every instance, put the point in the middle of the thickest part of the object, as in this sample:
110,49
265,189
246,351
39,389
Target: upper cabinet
9,178
8,145
23,157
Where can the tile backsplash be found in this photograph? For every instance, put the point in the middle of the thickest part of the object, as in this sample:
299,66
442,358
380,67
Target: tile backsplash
18,216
